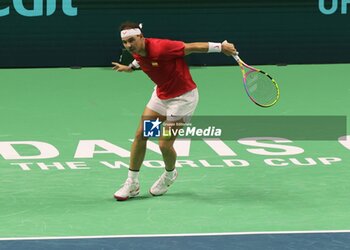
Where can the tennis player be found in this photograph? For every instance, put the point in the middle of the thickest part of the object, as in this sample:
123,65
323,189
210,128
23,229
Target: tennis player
174,99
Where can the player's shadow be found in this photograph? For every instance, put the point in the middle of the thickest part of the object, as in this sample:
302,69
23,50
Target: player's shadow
223,196
234,195
137,198
180,195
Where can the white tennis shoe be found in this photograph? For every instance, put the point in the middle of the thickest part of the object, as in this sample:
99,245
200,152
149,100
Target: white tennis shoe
162,185
130,188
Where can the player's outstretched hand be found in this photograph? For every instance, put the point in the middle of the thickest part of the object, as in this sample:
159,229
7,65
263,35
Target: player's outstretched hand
121,68
228,48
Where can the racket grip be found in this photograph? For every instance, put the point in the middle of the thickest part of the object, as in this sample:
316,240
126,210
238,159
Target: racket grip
236,57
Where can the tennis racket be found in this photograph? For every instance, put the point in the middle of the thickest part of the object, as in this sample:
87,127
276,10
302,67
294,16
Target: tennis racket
261,88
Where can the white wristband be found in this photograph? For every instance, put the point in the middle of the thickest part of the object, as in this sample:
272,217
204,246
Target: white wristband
214,47
134,65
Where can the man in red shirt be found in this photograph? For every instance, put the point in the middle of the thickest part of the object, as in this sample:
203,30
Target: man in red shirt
174,99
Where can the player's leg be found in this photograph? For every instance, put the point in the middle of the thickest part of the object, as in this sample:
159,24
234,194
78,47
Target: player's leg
131,187
138,148
179,111
166,145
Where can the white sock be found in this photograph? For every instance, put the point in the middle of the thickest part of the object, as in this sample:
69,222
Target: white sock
134,175
170,174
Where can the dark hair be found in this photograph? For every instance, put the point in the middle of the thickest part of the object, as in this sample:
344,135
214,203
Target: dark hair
130,25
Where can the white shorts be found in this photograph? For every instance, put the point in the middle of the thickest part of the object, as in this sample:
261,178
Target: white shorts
177,108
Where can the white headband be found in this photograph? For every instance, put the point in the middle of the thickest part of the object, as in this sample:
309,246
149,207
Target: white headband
130,32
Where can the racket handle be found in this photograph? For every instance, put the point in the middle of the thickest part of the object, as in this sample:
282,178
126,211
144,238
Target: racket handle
236,57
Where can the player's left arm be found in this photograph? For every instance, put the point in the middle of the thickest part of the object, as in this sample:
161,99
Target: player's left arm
209,47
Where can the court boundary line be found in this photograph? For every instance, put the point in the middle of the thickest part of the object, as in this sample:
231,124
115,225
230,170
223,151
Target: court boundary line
173,235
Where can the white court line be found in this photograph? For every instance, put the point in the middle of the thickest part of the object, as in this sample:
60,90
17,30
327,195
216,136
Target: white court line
174,235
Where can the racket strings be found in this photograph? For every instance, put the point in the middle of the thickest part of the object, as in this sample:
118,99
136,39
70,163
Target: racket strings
261,88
